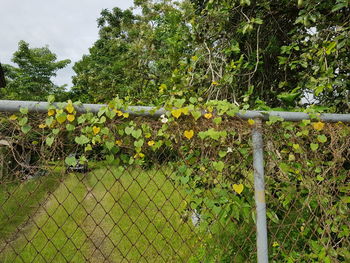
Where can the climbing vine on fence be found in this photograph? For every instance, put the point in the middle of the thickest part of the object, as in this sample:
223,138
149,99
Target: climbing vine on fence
209,149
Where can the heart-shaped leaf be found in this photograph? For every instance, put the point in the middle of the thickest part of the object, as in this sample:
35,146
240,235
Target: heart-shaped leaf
139,143
96,129
24,110
26,128
219,166
208,115
189,134
71,161
49,141
314,146
196,114
322,138
318,126
128,130
110,158
136,133
238,188
176,113
82,139
179,102
109,144
70,127
61,118
70,117
70,108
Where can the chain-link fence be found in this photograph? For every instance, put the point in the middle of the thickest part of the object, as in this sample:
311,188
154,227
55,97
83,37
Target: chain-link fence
145,189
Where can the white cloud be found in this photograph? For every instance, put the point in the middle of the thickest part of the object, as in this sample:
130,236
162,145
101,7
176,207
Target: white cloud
68,27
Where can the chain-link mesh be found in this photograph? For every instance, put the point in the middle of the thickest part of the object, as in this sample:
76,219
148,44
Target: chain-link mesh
179,199
308,176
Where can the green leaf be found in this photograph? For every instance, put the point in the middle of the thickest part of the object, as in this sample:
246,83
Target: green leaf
109,144
217,120
218,166
50,98
26,128
70,127
139,143
274,119
82,139
314,146
23,121
322,138
61,118
24,110
71,161
110,158
339,6
196,114
222,154
128,130
319,178
105,131
49,141
179,102
136,133
49,121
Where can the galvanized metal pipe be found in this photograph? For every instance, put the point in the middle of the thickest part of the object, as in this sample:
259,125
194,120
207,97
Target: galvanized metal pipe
35,106
259,192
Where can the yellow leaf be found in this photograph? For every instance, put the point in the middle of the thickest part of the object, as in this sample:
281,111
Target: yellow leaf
119,113
238,188
13,117
51,112
126,115
185,111
296,146
139,155
70,117
42,126
70,108
176,113
318,126
215,83
96,130
189,134
119,142
151,143
251,122
275,244
208,115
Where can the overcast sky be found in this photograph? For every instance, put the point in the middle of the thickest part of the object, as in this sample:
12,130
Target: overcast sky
68,27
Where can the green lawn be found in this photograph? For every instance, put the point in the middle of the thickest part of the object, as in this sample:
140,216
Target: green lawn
124,216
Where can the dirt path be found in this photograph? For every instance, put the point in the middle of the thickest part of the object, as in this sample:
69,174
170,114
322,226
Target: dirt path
98,242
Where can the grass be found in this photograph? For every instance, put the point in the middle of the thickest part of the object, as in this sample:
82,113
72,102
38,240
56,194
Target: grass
18,200
121,216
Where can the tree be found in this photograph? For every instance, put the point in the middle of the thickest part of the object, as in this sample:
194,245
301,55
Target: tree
255,53
2,78
31,79
134,55
275,51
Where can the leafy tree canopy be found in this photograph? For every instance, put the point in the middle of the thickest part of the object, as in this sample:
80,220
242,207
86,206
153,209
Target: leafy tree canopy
31,78
249,52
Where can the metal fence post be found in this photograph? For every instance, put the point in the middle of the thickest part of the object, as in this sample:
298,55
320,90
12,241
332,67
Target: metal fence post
259,189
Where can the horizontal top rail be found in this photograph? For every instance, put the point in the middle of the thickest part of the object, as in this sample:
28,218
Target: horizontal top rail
36,106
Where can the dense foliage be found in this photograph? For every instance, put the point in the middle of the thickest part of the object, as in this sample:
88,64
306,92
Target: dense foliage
31,79
208,152
278,53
